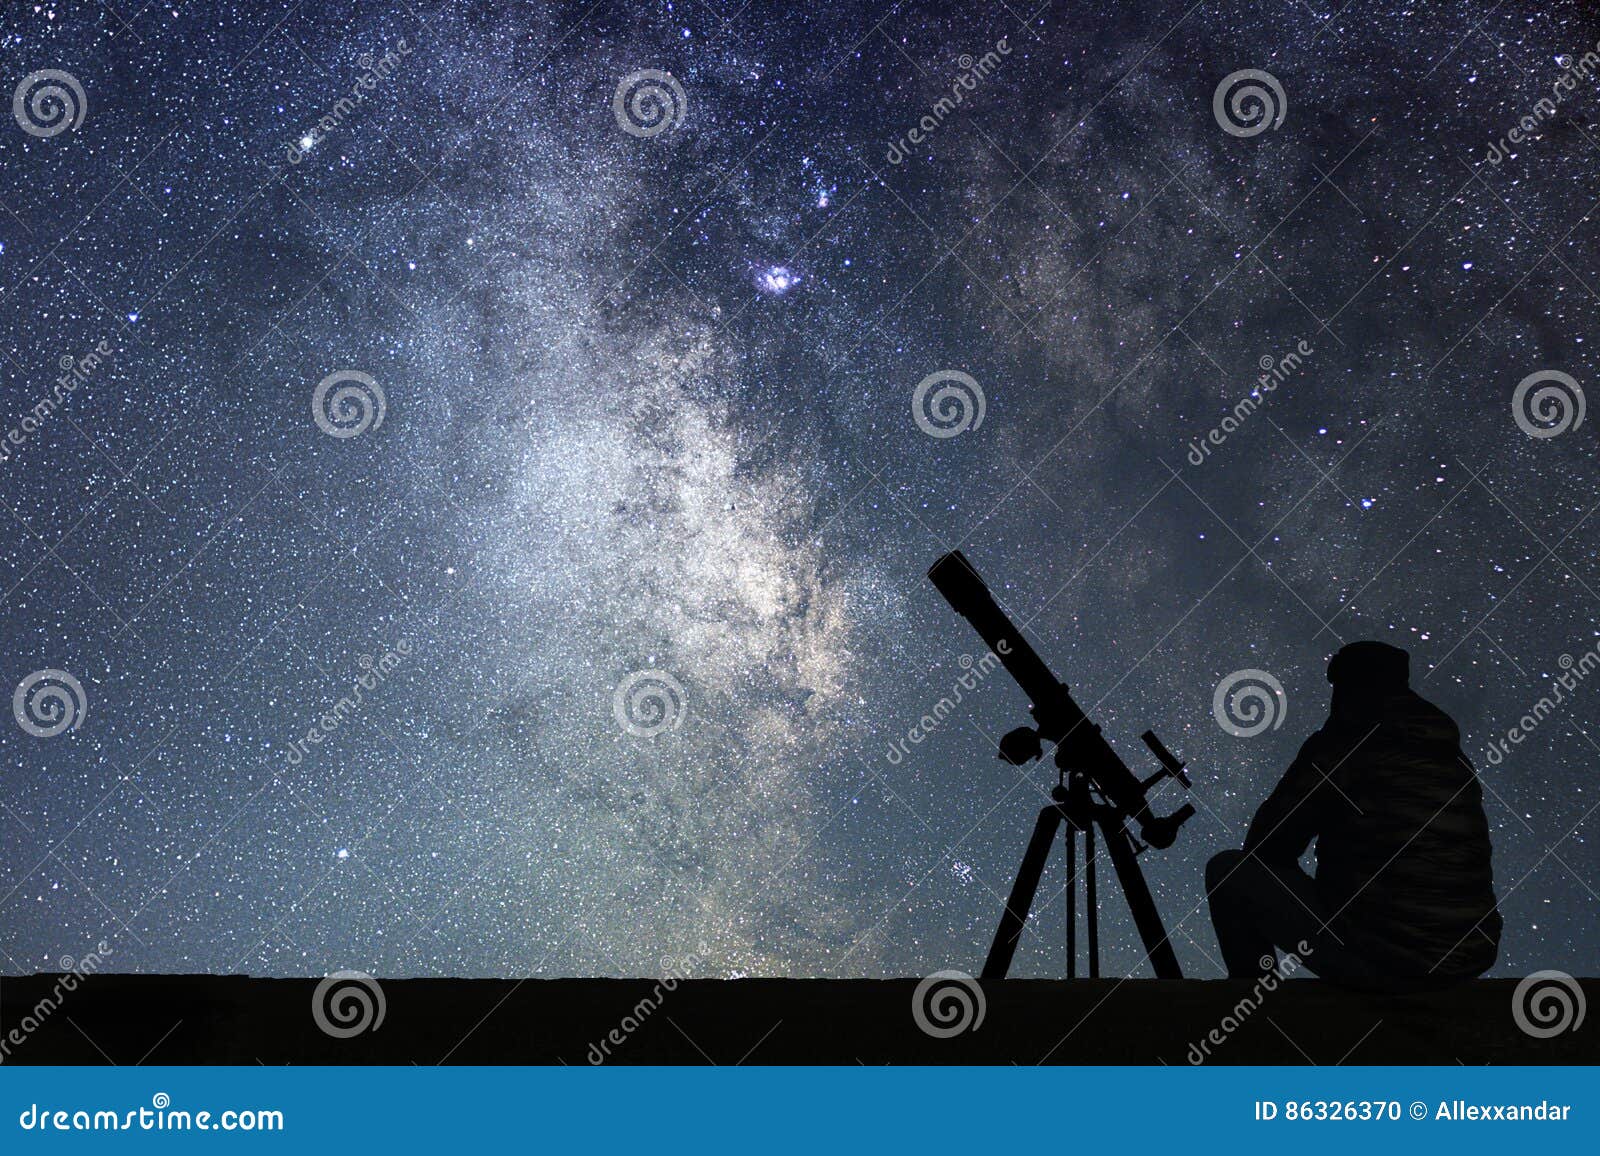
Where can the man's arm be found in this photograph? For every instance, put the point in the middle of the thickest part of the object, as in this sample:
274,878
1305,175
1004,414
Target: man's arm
1289,819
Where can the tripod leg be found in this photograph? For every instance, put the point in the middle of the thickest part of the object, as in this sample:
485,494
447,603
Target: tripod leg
1091,909
1140,903
1015,916
1071,837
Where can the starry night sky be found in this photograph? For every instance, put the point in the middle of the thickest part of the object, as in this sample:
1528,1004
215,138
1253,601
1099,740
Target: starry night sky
647,407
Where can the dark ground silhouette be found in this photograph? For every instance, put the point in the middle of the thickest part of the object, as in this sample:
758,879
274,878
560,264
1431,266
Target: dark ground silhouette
239,1020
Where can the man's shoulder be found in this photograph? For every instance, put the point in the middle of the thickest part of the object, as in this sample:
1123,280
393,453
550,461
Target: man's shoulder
1419,720
1402,718
1342,735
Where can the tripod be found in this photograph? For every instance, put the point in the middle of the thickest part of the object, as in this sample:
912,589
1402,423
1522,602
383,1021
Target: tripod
1072,804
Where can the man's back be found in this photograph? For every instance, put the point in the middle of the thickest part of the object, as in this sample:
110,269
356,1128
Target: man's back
1403,851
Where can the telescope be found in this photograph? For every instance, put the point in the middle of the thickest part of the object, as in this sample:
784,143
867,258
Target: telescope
1094,787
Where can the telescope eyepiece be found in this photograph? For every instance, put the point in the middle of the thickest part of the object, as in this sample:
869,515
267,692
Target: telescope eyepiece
1162,833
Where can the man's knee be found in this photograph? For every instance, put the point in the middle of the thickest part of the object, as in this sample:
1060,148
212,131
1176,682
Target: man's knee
1221,866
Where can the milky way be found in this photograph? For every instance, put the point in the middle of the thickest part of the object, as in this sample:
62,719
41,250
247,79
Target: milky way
586,633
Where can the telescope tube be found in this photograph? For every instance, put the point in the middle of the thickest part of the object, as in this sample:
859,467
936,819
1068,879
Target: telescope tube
1060,720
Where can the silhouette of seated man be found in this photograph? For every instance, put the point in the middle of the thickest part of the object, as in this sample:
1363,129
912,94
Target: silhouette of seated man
1403,897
